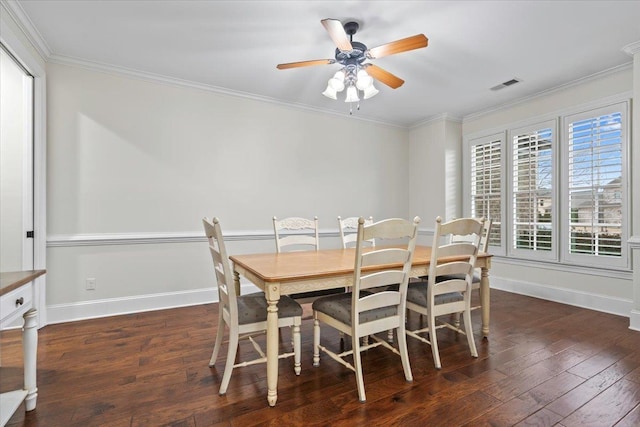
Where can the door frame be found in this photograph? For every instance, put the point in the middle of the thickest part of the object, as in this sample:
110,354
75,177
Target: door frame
25,52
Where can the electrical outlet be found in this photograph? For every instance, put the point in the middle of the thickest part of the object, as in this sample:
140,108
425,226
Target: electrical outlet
90,284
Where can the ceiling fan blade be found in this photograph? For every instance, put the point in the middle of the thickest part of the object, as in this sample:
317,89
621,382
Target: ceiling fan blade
410,43
384,76
338,34
305,63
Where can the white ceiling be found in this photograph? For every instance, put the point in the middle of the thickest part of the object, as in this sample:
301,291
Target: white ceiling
234,46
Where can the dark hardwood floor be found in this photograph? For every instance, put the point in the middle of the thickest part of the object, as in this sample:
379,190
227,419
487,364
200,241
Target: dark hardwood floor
544,364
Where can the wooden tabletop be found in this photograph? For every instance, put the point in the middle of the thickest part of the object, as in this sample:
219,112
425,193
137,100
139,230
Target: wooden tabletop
289,266
14,279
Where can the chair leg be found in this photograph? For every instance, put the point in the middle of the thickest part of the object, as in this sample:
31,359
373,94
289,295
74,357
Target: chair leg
390,335
219,336
296,345
431,322
316,341
468,329
404,352
231,358
357,364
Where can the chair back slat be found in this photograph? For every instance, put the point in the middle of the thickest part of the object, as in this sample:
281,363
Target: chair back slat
379,300
385,256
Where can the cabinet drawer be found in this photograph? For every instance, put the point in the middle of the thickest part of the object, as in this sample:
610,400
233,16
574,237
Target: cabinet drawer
16,302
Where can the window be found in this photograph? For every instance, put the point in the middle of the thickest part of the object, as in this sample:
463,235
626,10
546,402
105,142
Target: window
486,183
595,181
555,196
532,207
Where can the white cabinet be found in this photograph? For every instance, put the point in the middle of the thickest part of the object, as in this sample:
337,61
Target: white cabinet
16,299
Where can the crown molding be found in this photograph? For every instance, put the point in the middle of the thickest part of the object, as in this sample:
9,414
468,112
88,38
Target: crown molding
437,118
632,48
595,76
18,15
172,81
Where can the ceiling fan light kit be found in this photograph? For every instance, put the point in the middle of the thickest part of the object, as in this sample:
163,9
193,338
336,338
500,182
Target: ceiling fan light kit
355,75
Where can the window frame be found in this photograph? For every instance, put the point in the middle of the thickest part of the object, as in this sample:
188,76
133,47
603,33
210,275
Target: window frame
512,250
483,140
561,214
621,262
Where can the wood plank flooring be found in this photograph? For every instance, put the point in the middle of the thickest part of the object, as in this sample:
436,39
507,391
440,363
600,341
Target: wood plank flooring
545,364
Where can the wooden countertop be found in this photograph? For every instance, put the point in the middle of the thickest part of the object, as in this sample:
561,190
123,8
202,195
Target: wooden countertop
14,279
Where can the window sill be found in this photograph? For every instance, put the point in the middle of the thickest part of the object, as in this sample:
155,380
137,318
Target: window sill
619,273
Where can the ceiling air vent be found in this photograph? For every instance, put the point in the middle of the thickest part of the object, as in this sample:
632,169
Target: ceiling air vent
505,84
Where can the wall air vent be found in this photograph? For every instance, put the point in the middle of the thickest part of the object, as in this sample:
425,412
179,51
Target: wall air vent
505,84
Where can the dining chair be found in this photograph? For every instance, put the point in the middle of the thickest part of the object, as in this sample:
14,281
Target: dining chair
303,234
348,228
362,313
245,315
298,234
437,296
484,247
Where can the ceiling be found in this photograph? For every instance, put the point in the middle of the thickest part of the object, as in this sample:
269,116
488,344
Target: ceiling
234,46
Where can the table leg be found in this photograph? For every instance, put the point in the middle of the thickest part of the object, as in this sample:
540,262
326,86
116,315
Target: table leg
272,293
484,300
236,281
30,349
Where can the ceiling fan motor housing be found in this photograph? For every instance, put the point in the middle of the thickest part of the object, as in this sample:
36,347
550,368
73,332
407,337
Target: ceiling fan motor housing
355,56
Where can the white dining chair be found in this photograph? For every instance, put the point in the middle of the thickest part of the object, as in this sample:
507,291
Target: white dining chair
362,313
451,294
299,234
348,228
245,315
477,273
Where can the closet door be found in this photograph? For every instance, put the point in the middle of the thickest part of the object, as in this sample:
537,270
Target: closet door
16,165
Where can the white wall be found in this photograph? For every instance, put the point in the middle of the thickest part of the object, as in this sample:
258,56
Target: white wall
435,172
128,157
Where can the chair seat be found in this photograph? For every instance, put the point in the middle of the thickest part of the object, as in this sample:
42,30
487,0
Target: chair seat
339,307
417,294
252,308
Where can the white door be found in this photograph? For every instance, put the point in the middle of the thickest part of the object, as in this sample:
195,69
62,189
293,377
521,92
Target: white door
16,165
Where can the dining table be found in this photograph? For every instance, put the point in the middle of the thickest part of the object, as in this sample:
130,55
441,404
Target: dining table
304,271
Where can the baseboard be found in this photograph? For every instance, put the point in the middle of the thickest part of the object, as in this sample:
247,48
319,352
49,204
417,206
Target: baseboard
597,302
634,320
61,313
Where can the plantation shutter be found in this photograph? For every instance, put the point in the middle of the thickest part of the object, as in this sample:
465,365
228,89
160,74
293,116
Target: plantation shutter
532,209
595,185
486,185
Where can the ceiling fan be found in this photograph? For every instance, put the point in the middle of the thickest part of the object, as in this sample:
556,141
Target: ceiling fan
356,74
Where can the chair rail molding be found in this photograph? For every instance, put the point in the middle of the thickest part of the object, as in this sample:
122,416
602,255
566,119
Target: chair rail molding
108,239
